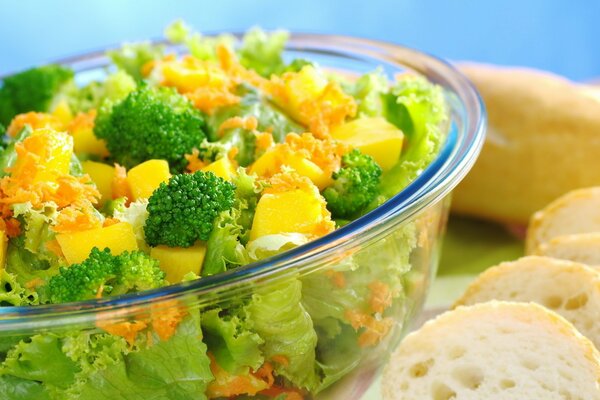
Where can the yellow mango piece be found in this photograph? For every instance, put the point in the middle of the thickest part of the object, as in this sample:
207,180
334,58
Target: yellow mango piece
373,136
53,149
222,168
63,112
102,175
310,170
270,163
188,78
3,246
299,87
85,142
266,165
76,246
294,211
146,177
178,261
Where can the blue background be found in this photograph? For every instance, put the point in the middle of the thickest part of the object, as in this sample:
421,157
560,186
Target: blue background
557,35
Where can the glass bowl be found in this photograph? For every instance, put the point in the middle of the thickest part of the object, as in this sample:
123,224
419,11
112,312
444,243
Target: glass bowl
326,314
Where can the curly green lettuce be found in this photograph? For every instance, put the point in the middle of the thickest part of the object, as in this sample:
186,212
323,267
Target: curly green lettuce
281,320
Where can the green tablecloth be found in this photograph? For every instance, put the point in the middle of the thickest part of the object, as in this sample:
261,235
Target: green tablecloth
470,246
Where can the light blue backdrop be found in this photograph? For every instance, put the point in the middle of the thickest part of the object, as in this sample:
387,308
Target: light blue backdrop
557,35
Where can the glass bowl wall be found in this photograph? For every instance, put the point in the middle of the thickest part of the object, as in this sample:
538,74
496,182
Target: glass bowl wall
328,312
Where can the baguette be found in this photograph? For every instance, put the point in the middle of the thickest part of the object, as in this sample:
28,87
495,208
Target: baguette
494,351
543,140
573,213
570,289
582,248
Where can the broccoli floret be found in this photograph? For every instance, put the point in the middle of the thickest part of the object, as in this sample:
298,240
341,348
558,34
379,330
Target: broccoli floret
182,211
354,185
151,123
32,90
105,274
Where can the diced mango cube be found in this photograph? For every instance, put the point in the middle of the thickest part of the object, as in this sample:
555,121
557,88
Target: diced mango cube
286,212
76,246
373,136
178,261
266,165
270,163
102,175
310,170
63,112
87,143
53,150
222,168
3,246
146,177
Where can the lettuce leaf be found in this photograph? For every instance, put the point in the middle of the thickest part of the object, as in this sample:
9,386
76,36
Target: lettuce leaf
368,91
223,248
12,293
262,51
228,337
131,57
280,319
176,369
418,107
41,359
201,47
14,388
253,104
270,245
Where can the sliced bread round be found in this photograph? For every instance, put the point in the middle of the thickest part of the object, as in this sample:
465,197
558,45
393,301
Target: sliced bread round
571,289
576,212
583,248
494,351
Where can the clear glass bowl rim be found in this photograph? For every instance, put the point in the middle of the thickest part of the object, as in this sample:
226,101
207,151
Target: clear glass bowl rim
456,158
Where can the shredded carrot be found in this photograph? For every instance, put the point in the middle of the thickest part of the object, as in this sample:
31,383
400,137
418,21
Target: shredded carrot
374,330
35,120
275,391
337,278
120,186
209,99
265,373
75,219
194,161
110,221
34,283
82,121
228,385
12,227
53,247
127,329
381,296
165,317
281,360
248,123
233,152
264,140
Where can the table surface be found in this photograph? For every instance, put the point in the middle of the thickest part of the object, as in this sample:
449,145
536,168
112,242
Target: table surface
557,35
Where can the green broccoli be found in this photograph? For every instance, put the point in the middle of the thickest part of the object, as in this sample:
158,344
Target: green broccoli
151,123
183,210
354,186
106,274
32,90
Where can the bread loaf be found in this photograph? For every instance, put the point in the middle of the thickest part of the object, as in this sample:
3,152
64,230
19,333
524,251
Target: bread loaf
543,141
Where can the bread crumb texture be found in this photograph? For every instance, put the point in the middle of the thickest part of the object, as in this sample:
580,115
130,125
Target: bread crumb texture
494,351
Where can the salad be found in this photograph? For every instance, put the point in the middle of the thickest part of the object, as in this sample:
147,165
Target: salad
177,167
